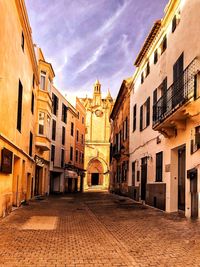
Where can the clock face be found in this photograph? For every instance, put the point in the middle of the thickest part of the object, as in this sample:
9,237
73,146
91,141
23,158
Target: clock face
99,113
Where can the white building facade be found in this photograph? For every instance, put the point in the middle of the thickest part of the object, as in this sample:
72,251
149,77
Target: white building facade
165,113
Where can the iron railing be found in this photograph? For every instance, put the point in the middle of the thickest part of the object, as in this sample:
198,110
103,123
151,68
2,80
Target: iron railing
181,91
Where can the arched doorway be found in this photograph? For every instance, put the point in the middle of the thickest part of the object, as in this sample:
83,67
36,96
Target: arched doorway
95,173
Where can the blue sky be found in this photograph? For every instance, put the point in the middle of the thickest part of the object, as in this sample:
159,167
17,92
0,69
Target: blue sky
87,40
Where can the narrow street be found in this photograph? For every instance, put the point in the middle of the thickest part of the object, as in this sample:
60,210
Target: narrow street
96,229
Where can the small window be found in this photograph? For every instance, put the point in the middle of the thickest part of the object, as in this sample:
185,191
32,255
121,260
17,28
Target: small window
142,78
145,114
19,107
41,123
77,136
82,120
82,158
31,144
147,69
72,129
42,80
155,96
52,153
174,24
155,56
64,113
78,114
54,104
133,173
22,41
71,153
53,130
159,166
33,81
164,44
63,135
82,139
134,117
32,103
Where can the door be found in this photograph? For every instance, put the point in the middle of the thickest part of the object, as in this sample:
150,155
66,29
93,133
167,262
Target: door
143,178
38,173
95,178
178,81
194,196
181,178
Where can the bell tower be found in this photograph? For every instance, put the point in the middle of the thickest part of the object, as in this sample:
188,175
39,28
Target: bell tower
97,93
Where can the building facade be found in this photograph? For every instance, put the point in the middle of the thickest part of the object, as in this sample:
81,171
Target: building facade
43,125
80,143
120,120
97,144
18,87
164,136
58,141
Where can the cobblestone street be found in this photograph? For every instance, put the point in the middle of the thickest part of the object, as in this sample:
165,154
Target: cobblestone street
96,229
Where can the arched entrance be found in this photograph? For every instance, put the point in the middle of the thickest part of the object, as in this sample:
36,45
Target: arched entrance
95,173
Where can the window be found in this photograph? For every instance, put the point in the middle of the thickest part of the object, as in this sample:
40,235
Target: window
49,85
41,123
142,78
77,135
42,80
125,129
64,113
33,81
19,107
72,129
145,114
54,103
155,97
148,111
133,173
32,103
63,135
53,130
134,117
52,153
31,144
159,166
71,153
174,24
164,44
78,114
76,155
22,41
82,120
62,157
155,56
82,139
82,158
118,174
147,69
124,170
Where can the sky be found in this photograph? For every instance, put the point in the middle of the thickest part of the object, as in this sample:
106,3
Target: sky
86,40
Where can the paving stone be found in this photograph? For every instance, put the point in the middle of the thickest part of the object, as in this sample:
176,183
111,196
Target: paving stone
97,229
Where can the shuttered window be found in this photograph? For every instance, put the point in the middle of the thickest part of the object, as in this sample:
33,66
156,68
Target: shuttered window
54,130
141,118
31,144
63,135
148,112
134,117
19,107
159,166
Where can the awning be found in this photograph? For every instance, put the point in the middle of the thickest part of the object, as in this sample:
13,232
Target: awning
71,174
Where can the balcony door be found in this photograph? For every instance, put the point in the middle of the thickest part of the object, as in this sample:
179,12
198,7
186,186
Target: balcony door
143,178
178,81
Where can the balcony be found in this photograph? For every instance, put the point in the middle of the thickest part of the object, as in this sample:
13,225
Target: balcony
177,103
43,143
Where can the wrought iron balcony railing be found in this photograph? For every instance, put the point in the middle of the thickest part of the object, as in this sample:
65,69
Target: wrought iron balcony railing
180,92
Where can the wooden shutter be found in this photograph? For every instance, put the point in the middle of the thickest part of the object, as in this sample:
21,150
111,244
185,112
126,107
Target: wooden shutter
141,118
148,111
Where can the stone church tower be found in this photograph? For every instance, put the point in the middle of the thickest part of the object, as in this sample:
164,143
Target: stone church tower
97,139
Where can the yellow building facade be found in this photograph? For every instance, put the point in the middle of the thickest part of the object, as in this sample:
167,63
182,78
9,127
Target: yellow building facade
97,139
18,82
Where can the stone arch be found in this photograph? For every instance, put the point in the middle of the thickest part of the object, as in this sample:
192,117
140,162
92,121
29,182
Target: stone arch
96,170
